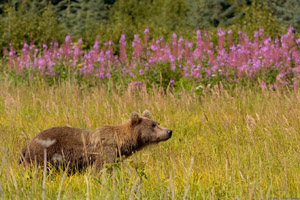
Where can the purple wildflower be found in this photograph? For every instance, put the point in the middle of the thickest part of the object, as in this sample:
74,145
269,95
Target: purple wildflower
172,82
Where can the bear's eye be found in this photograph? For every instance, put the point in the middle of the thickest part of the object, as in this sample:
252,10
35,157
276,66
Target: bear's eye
153,125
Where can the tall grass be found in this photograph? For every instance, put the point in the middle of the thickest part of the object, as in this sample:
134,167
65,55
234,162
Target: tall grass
242,144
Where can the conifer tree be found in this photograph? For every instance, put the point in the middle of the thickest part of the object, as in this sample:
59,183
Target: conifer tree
286,12
81,16
208,13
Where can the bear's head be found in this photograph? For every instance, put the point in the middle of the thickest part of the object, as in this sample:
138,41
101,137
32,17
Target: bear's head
148,130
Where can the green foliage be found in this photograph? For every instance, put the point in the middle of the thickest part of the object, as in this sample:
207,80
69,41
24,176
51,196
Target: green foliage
286,12
162,17
212,13
81,18
258,15
169,14
29,22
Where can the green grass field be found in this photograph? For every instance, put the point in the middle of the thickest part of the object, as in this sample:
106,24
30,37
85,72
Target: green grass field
242,144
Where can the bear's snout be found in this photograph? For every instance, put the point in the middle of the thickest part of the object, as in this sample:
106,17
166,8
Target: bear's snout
164,135
170,133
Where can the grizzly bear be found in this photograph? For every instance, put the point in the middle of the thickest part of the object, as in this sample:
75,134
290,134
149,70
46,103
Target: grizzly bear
79,148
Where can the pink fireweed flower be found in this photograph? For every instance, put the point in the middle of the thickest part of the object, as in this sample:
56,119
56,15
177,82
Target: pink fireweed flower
153,47
25,47
100,73
185,71
280,76
174,36
174,45
96,44
141,71
291,29
12,52
68,38
137,47
229,38
41,64
107,74
190,44
122,38
221,32
172,82
122,42
198,32
173,67
261,31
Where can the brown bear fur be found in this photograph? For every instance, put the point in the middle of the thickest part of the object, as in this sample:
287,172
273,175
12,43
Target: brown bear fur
80,148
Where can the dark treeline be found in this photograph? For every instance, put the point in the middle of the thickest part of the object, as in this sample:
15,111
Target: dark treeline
42,20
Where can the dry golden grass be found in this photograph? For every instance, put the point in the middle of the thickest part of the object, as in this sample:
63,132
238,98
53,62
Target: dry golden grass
242,144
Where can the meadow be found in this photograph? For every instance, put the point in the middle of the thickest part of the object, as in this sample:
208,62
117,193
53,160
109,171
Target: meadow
231,99
223,75
226,144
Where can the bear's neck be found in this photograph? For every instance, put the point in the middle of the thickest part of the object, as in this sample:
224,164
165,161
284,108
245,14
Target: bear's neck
127,150
122,136
127,140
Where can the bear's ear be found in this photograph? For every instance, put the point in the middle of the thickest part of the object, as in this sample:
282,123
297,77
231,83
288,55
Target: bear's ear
147,114
135,118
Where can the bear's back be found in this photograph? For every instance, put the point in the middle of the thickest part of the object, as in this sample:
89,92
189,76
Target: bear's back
65,135
60,142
